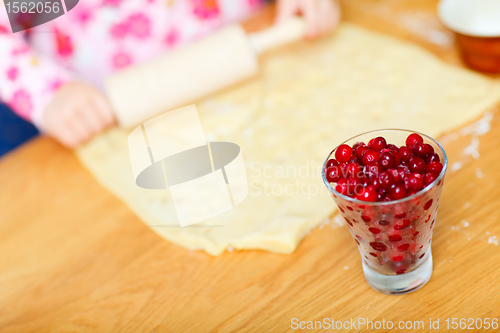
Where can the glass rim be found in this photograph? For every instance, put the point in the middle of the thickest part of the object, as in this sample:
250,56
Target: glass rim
383,203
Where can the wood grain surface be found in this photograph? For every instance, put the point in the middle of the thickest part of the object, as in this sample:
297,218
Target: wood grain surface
73,258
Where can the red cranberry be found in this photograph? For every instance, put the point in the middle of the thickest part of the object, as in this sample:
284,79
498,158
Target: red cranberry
413,139
434,167
414,181
372,169
387,160
381,193
377,246
360,151
432,158
401,215
353,186
405,153
377,143
397,258
383,222
374,230
368,194
421,256
358,144
396,155
343,169
428,204
354,159
395,238
403,247
364,179
374,182
417,165
411,192
429,178
422,149
370,156
341,186
373,254
385,179
397,191
392,147
385,150
333,174
403,171
343,153
354,170
395,175
401,224
331,163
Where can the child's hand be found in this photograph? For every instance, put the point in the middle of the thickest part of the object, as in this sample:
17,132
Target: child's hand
321,16
77,112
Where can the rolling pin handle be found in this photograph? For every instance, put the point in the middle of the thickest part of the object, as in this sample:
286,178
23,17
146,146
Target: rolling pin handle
289,31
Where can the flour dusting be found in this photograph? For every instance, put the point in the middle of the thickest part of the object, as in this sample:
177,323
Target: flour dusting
456,166
479,173
473,149
477,128
480,127
338,221
493,240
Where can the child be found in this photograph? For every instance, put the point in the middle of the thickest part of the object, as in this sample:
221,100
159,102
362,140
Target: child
52,75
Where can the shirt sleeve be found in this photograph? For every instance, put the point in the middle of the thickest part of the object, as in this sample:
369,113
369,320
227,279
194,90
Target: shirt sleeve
28,82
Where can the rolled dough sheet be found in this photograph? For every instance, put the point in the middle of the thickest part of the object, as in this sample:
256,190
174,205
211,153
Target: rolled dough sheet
307,99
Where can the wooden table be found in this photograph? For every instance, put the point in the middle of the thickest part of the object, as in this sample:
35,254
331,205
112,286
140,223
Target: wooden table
73,258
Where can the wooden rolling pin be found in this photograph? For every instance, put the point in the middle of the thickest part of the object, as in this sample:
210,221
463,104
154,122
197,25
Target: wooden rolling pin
178,78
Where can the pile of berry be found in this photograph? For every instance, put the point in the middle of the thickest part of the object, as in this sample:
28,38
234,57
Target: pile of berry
383,172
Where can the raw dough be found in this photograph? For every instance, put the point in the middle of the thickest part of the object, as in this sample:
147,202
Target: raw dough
307,99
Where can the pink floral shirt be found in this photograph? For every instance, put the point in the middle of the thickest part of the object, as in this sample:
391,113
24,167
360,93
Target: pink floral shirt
97,38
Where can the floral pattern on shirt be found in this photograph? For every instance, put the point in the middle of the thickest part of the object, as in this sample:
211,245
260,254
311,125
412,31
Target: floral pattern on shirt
99,37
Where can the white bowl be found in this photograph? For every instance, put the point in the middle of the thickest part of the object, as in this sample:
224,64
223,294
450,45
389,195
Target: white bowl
479,18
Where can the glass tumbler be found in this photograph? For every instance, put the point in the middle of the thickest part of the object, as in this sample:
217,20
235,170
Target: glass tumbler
393,237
